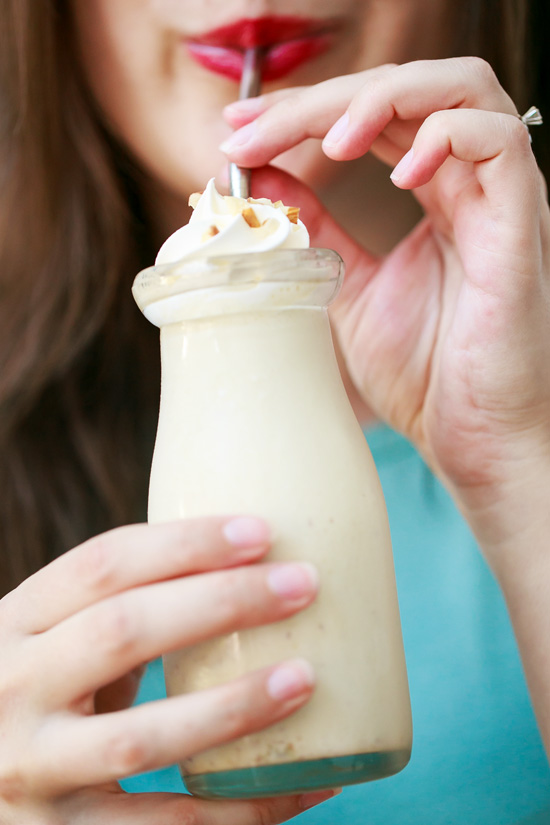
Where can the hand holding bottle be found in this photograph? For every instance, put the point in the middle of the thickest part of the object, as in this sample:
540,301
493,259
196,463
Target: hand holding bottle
72,638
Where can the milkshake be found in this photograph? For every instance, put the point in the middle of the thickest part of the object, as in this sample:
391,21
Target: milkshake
254,418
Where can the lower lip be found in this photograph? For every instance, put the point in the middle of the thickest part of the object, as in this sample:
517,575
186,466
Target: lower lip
279,61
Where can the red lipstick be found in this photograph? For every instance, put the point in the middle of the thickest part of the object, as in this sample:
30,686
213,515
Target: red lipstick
288,42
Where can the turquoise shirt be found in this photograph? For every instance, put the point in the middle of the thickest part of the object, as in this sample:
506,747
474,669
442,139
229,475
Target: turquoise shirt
477,755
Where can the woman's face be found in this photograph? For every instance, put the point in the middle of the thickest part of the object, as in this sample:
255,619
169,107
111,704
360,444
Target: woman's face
162,70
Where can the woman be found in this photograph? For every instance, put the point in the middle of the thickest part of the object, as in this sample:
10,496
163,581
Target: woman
111,116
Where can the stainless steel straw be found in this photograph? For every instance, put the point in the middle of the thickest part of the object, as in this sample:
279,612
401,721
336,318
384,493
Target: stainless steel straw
251,81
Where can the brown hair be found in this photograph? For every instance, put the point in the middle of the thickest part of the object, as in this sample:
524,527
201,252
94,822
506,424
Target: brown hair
78,371
509,34
79,367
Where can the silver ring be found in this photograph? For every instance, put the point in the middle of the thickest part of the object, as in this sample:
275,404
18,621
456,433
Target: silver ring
532,117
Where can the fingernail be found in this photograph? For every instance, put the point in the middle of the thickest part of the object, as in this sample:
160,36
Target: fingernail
246,532
308,800
338,131
403,166
238,138
293,581
290,680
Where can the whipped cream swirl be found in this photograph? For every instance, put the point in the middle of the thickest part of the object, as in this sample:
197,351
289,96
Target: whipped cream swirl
226,225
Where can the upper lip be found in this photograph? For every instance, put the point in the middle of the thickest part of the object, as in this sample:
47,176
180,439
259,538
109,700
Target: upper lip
265,31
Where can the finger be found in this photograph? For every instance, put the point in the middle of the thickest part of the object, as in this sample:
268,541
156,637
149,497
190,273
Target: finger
255,812
411,93
241,112
307,112
71,752
471,136
98,808
498,146
131,556
365,104
100,644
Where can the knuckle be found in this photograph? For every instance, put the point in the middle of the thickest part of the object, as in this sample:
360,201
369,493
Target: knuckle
261,813
482,70
95,563
113,628
436,120
374,86
228,600
185,812
237,601
238,710
386,68
125,753
188,542
13,785
292,108
20,774
190,816
518,133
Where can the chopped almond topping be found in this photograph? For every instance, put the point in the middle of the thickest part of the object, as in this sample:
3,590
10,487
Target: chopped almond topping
235,207
292,213
210,233
250,217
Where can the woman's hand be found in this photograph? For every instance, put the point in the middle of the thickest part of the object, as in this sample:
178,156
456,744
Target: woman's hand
71,639
447,337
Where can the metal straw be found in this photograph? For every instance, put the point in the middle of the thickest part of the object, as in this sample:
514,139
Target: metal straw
251,81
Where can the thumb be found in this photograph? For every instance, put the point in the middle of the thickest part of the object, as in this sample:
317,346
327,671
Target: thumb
324,231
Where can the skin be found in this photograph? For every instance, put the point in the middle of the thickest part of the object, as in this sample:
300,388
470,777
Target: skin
445,337
99,612
166,108
443,333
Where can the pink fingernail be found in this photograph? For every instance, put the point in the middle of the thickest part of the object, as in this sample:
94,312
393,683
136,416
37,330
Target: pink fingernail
290,680
246,532
308,800
403,166
338,131
239,138
293,581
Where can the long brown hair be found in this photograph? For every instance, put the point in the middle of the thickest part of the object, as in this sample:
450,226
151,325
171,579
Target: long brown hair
78,372
78,366
510,35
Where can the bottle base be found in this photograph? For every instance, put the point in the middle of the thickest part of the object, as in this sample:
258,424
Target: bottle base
297,777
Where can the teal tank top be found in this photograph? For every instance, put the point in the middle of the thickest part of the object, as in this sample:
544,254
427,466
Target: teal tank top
477,755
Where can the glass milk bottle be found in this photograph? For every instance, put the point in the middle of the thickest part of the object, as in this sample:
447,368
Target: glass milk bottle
254,419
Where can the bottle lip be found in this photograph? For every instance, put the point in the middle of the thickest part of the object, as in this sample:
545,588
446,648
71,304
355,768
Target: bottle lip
319,272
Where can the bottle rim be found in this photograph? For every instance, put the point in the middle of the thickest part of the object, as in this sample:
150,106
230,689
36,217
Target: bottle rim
276,266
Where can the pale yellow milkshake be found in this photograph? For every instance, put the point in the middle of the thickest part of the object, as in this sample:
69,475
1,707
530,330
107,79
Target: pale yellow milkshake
254,419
